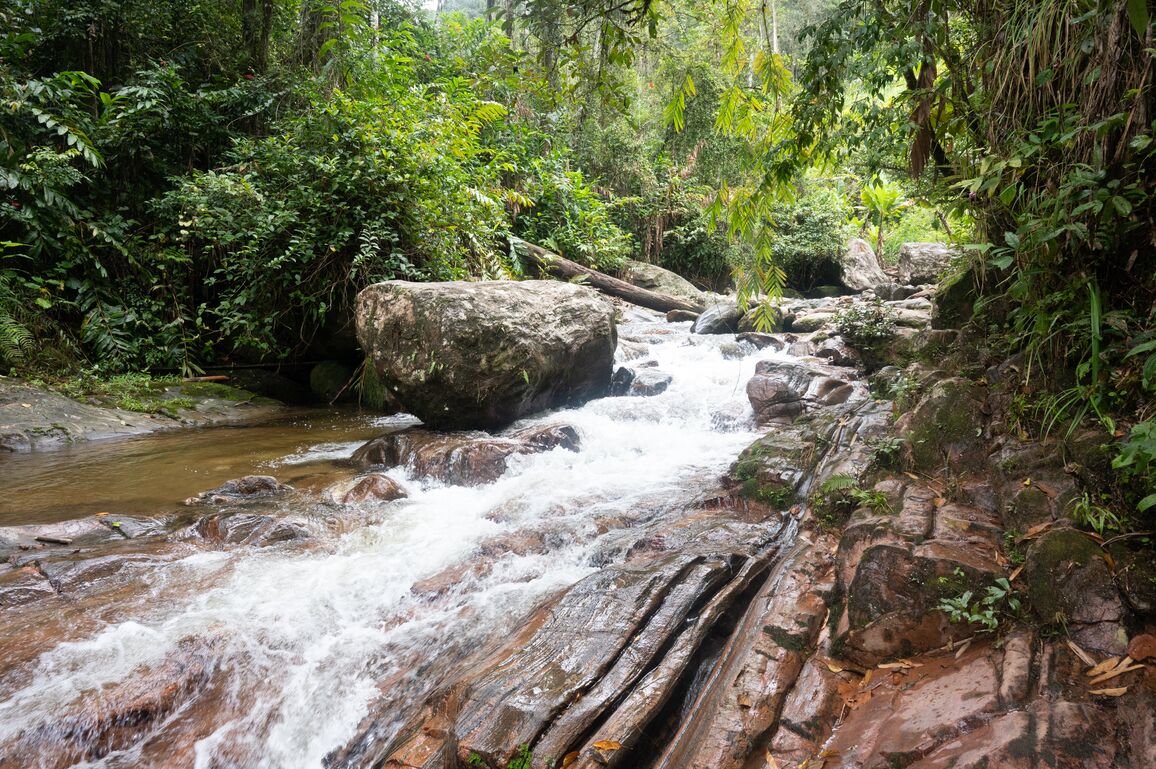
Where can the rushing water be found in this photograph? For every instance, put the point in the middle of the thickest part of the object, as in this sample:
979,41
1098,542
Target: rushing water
299,641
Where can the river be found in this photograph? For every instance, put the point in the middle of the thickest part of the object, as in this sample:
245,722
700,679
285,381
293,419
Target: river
292,643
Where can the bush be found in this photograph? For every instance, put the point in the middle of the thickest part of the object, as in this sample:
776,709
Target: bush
866,324
810,235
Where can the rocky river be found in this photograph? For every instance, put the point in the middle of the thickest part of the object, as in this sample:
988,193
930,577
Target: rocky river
598,585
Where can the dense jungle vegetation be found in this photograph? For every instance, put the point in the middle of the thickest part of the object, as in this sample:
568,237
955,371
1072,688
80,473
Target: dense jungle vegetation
188,183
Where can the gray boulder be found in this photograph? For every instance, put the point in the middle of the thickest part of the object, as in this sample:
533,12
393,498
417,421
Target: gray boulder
482,354
924,262
660,280
861,270
718,318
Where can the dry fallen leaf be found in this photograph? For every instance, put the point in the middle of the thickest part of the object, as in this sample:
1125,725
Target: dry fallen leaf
1015,573
1126,666
962,648
607,745
1109,692
1083,655
834,668
1106,665
771,762
1035,531
866,679
570,758
744,700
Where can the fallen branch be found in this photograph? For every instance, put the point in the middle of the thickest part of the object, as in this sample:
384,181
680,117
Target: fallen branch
560,267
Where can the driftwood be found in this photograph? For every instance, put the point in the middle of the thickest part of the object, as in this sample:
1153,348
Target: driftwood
560,267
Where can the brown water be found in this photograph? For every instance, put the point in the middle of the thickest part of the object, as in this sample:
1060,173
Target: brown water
155,473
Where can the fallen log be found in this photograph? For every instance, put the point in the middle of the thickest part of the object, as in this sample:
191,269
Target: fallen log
560,267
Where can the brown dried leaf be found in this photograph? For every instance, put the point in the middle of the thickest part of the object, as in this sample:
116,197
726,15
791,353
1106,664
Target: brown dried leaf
570,758
1035,531
771,762
866,679
1015,573
1109,692
744,700
1103,667
607,745
1109,675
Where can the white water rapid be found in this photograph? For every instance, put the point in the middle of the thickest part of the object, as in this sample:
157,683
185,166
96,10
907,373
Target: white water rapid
299,640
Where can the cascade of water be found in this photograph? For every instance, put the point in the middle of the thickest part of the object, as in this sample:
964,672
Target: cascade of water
298,640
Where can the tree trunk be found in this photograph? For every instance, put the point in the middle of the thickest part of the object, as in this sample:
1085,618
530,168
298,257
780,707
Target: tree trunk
256,26
559,267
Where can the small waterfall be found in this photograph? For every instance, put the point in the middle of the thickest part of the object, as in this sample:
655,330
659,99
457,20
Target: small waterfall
271,657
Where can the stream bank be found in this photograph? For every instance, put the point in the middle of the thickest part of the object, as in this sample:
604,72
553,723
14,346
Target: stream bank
34,418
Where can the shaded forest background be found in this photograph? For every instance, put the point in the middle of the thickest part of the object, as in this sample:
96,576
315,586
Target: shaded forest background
185,184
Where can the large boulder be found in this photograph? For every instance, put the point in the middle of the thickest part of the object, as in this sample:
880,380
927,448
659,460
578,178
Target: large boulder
482,354
719,318
924,262
662,281
861,270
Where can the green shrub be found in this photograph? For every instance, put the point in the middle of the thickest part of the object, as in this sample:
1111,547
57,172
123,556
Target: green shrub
810,234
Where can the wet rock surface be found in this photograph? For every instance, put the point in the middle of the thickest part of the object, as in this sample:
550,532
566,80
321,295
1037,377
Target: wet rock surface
246,488
466,459
35,419
469,355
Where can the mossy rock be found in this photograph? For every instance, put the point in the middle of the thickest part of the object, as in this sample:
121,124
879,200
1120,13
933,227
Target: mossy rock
945,429
330,379
1028,507
954,300
1068,580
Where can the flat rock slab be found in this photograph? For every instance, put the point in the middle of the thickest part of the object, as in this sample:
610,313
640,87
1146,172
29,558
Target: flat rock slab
33,419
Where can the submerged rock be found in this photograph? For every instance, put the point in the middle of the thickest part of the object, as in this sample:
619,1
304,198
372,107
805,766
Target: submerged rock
242,489
467,355
465,459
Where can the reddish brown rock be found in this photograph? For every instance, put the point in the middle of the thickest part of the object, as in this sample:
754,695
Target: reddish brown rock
1142,647
249,487
374,487
467,459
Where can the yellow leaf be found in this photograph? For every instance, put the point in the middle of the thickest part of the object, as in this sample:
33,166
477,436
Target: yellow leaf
866,679
1027,481
771,762
607,745
1103,667
1111,674
570,758
834,668
1109,692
